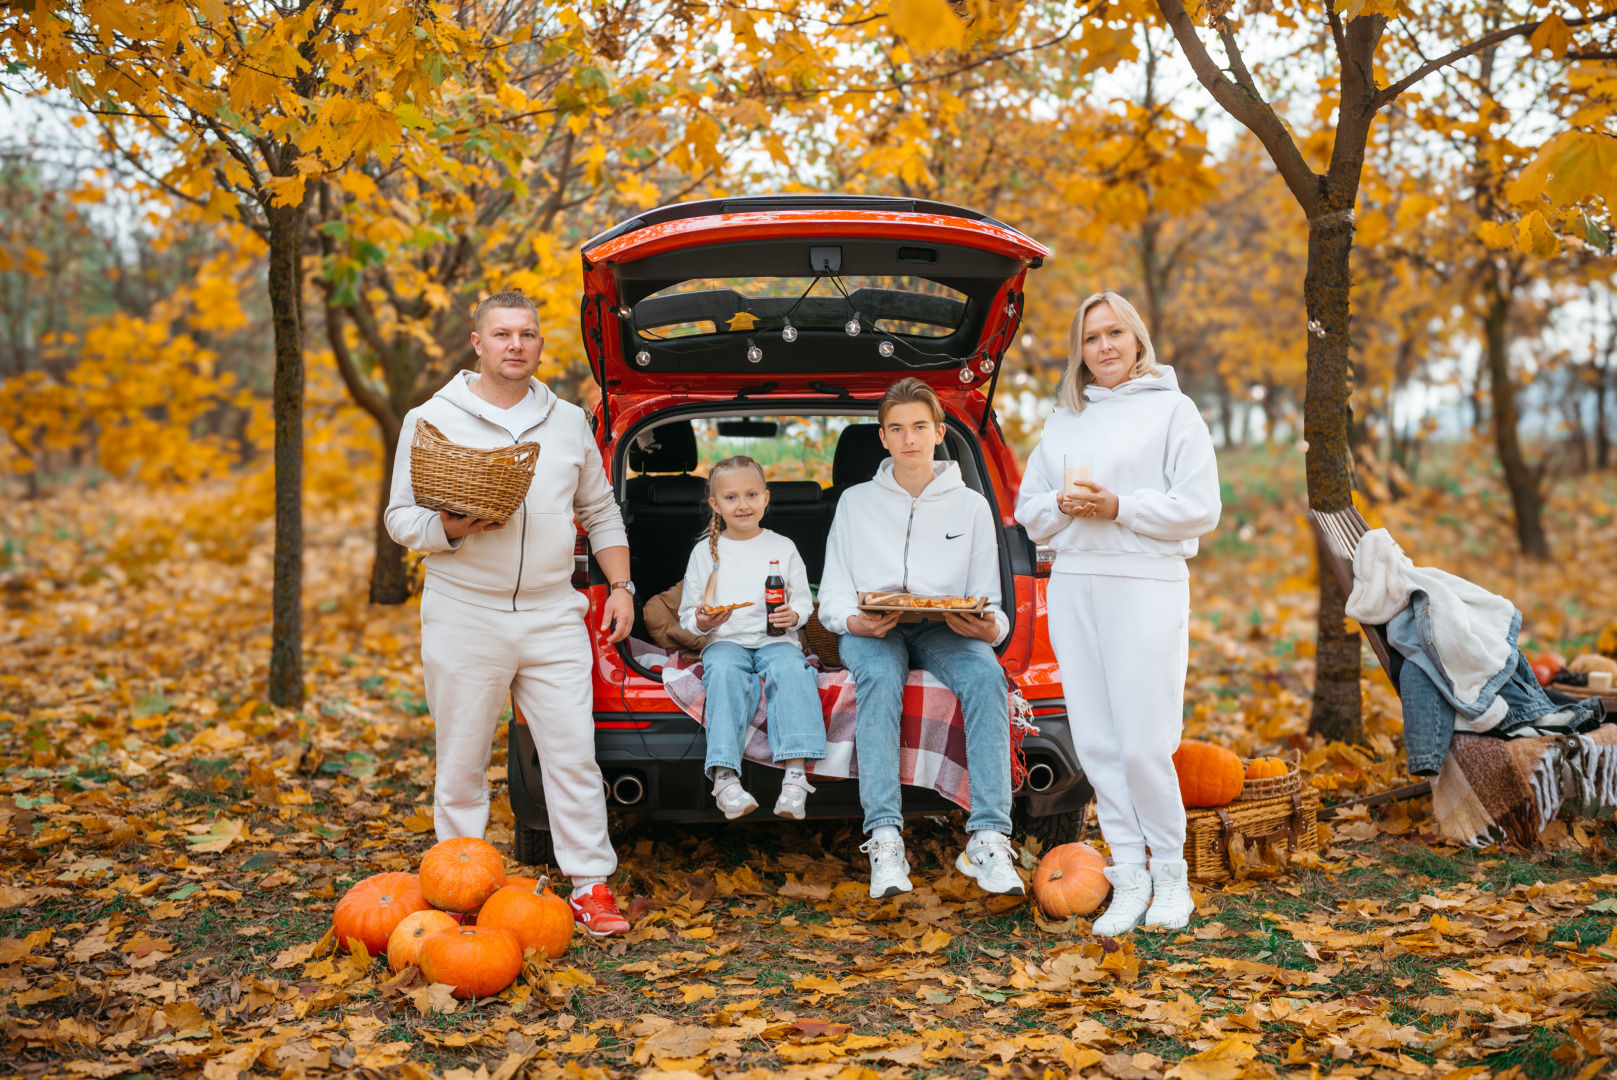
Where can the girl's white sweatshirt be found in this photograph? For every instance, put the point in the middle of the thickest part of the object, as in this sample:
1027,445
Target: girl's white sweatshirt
743,567
941,543
1148,444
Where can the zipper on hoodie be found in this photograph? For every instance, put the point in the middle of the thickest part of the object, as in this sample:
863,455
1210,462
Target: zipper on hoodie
908,528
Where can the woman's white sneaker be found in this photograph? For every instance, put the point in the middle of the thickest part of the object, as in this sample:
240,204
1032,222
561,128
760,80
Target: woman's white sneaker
735,800
991,862
889,869
1131,896
794,793
1171,902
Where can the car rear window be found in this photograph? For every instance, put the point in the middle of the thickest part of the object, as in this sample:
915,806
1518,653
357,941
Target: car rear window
897,304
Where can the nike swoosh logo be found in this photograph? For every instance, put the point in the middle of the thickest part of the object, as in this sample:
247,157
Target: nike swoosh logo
956,536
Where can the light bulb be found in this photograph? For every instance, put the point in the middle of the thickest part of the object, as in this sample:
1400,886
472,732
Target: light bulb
885,348
966,375
754,353
788,333
852,327
986,367
624,312
643,358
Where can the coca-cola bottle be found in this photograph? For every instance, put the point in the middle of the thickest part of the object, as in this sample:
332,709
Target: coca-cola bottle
774,597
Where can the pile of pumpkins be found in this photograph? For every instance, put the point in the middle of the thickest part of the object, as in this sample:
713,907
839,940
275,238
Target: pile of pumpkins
461,920
1069,879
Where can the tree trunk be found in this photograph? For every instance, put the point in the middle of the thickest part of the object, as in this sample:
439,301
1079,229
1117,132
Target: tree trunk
1522,480
1326,420
390,580
285,284
1602,437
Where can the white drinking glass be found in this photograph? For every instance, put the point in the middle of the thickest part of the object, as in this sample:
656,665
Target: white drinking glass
1075,468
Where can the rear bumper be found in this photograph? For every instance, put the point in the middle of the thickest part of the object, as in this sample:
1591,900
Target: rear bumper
664,760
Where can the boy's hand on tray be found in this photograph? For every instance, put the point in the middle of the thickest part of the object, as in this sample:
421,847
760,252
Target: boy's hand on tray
975,626
873,625
459,525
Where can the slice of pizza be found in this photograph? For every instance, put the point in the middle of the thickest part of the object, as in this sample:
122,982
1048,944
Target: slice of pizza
720,609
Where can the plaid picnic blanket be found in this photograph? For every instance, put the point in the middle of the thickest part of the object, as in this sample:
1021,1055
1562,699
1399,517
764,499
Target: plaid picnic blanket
1491,788
932,731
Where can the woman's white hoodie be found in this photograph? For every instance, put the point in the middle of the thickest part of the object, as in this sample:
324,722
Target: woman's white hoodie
1148,444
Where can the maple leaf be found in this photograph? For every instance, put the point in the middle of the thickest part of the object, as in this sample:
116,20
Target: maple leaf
742,320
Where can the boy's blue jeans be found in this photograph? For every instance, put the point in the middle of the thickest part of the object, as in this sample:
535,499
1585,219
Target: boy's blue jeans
969,668
730,675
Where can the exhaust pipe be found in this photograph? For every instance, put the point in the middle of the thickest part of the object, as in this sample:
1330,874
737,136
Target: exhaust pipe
628,789
1040,777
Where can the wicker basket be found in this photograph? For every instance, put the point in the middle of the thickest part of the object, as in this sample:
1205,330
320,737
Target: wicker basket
1272,787
485,484
1224,843
821,640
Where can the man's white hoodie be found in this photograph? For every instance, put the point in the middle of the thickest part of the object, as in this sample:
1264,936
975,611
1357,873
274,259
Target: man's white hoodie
1147,444
529,563
940,543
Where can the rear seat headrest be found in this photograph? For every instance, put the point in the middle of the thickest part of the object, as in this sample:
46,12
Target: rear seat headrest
794,492
859,453
663,493
667,448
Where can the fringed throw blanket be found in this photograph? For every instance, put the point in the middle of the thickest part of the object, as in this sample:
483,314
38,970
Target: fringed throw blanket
932,731
1512,788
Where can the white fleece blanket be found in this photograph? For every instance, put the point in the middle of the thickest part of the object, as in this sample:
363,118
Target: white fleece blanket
1470,625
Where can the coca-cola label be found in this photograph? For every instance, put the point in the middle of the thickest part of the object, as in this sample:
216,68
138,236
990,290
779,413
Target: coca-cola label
775,596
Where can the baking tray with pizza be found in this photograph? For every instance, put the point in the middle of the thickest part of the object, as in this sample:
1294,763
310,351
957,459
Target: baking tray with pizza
918,608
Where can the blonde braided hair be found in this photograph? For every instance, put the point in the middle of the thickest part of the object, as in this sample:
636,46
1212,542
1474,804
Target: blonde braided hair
715,524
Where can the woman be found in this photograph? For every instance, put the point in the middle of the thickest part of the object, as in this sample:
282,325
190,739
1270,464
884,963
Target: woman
1119,596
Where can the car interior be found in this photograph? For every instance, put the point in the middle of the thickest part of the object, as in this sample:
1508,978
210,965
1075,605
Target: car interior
663,493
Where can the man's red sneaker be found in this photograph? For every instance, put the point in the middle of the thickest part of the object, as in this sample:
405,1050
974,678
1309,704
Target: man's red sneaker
598,913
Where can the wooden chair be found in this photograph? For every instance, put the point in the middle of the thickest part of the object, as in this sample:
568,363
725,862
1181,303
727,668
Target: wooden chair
1338,534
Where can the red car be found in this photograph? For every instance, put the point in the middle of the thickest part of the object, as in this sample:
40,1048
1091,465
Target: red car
770,326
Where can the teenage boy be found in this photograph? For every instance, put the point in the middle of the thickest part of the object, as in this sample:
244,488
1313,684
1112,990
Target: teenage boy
499,615
917,528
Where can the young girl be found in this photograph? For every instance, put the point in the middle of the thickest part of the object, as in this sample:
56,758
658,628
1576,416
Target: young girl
729,568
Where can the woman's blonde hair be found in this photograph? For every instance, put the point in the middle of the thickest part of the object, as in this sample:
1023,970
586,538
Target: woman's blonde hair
715,523
1070,393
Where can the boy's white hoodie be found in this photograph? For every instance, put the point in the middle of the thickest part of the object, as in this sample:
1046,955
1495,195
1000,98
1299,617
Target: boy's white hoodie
941,543
529,563
1148,444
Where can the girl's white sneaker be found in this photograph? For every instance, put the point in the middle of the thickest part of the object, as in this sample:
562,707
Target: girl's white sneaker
735,800
1131,895
794,793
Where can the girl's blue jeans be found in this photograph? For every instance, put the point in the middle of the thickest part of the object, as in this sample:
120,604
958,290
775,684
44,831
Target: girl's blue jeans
731,679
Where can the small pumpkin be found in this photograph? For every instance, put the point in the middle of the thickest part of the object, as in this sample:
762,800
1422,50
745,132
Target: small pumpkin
1069,881
538,918
1209,775
404,944
1265,768
460,873
370,910
478,961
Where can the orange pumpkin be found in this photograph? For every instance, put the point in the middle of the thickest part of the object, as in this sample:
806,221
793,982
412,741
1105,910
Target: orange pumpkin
459,874
476,960
1069,881
370,910
1264,768
1209,775
537,917
404,944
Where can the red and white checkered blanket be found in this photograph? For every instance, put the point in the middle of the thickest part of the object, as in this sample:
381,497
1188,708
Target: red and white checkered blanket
932,730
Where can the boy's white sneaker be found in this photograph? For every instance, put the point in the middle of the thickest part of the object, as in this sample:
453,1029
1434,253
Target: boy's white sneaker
1171,902
1131,895
990,861
735,800
889,869
794,793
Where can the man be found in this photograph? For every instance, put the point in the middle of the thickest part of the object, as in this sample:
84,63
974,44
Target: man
917,528
499,614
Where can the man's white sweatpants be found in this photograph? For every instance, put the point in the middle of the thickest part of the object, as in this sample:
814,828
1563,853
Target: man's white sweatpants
474,657
1122,645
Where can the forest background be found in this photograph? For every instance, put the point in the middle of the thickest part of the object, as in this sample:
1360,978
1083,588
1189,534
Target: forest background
240,240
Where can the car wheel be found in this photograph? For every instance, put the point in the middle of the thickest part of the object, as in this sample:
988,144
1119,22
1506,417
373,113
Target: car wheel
533,847
1053,830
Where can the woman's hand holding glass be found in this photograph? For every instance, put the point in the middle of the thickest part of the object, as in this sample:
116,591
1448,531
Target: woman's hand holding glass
1087,499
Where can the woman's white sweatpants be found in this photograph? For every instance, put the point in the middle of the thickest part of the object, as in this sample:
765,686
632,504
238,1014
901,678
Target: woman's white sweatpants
474,658
1122,645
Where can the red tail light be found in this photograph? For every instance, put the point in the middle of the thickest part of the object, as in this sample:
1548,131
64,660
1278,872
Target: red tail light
581,563
1043,561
